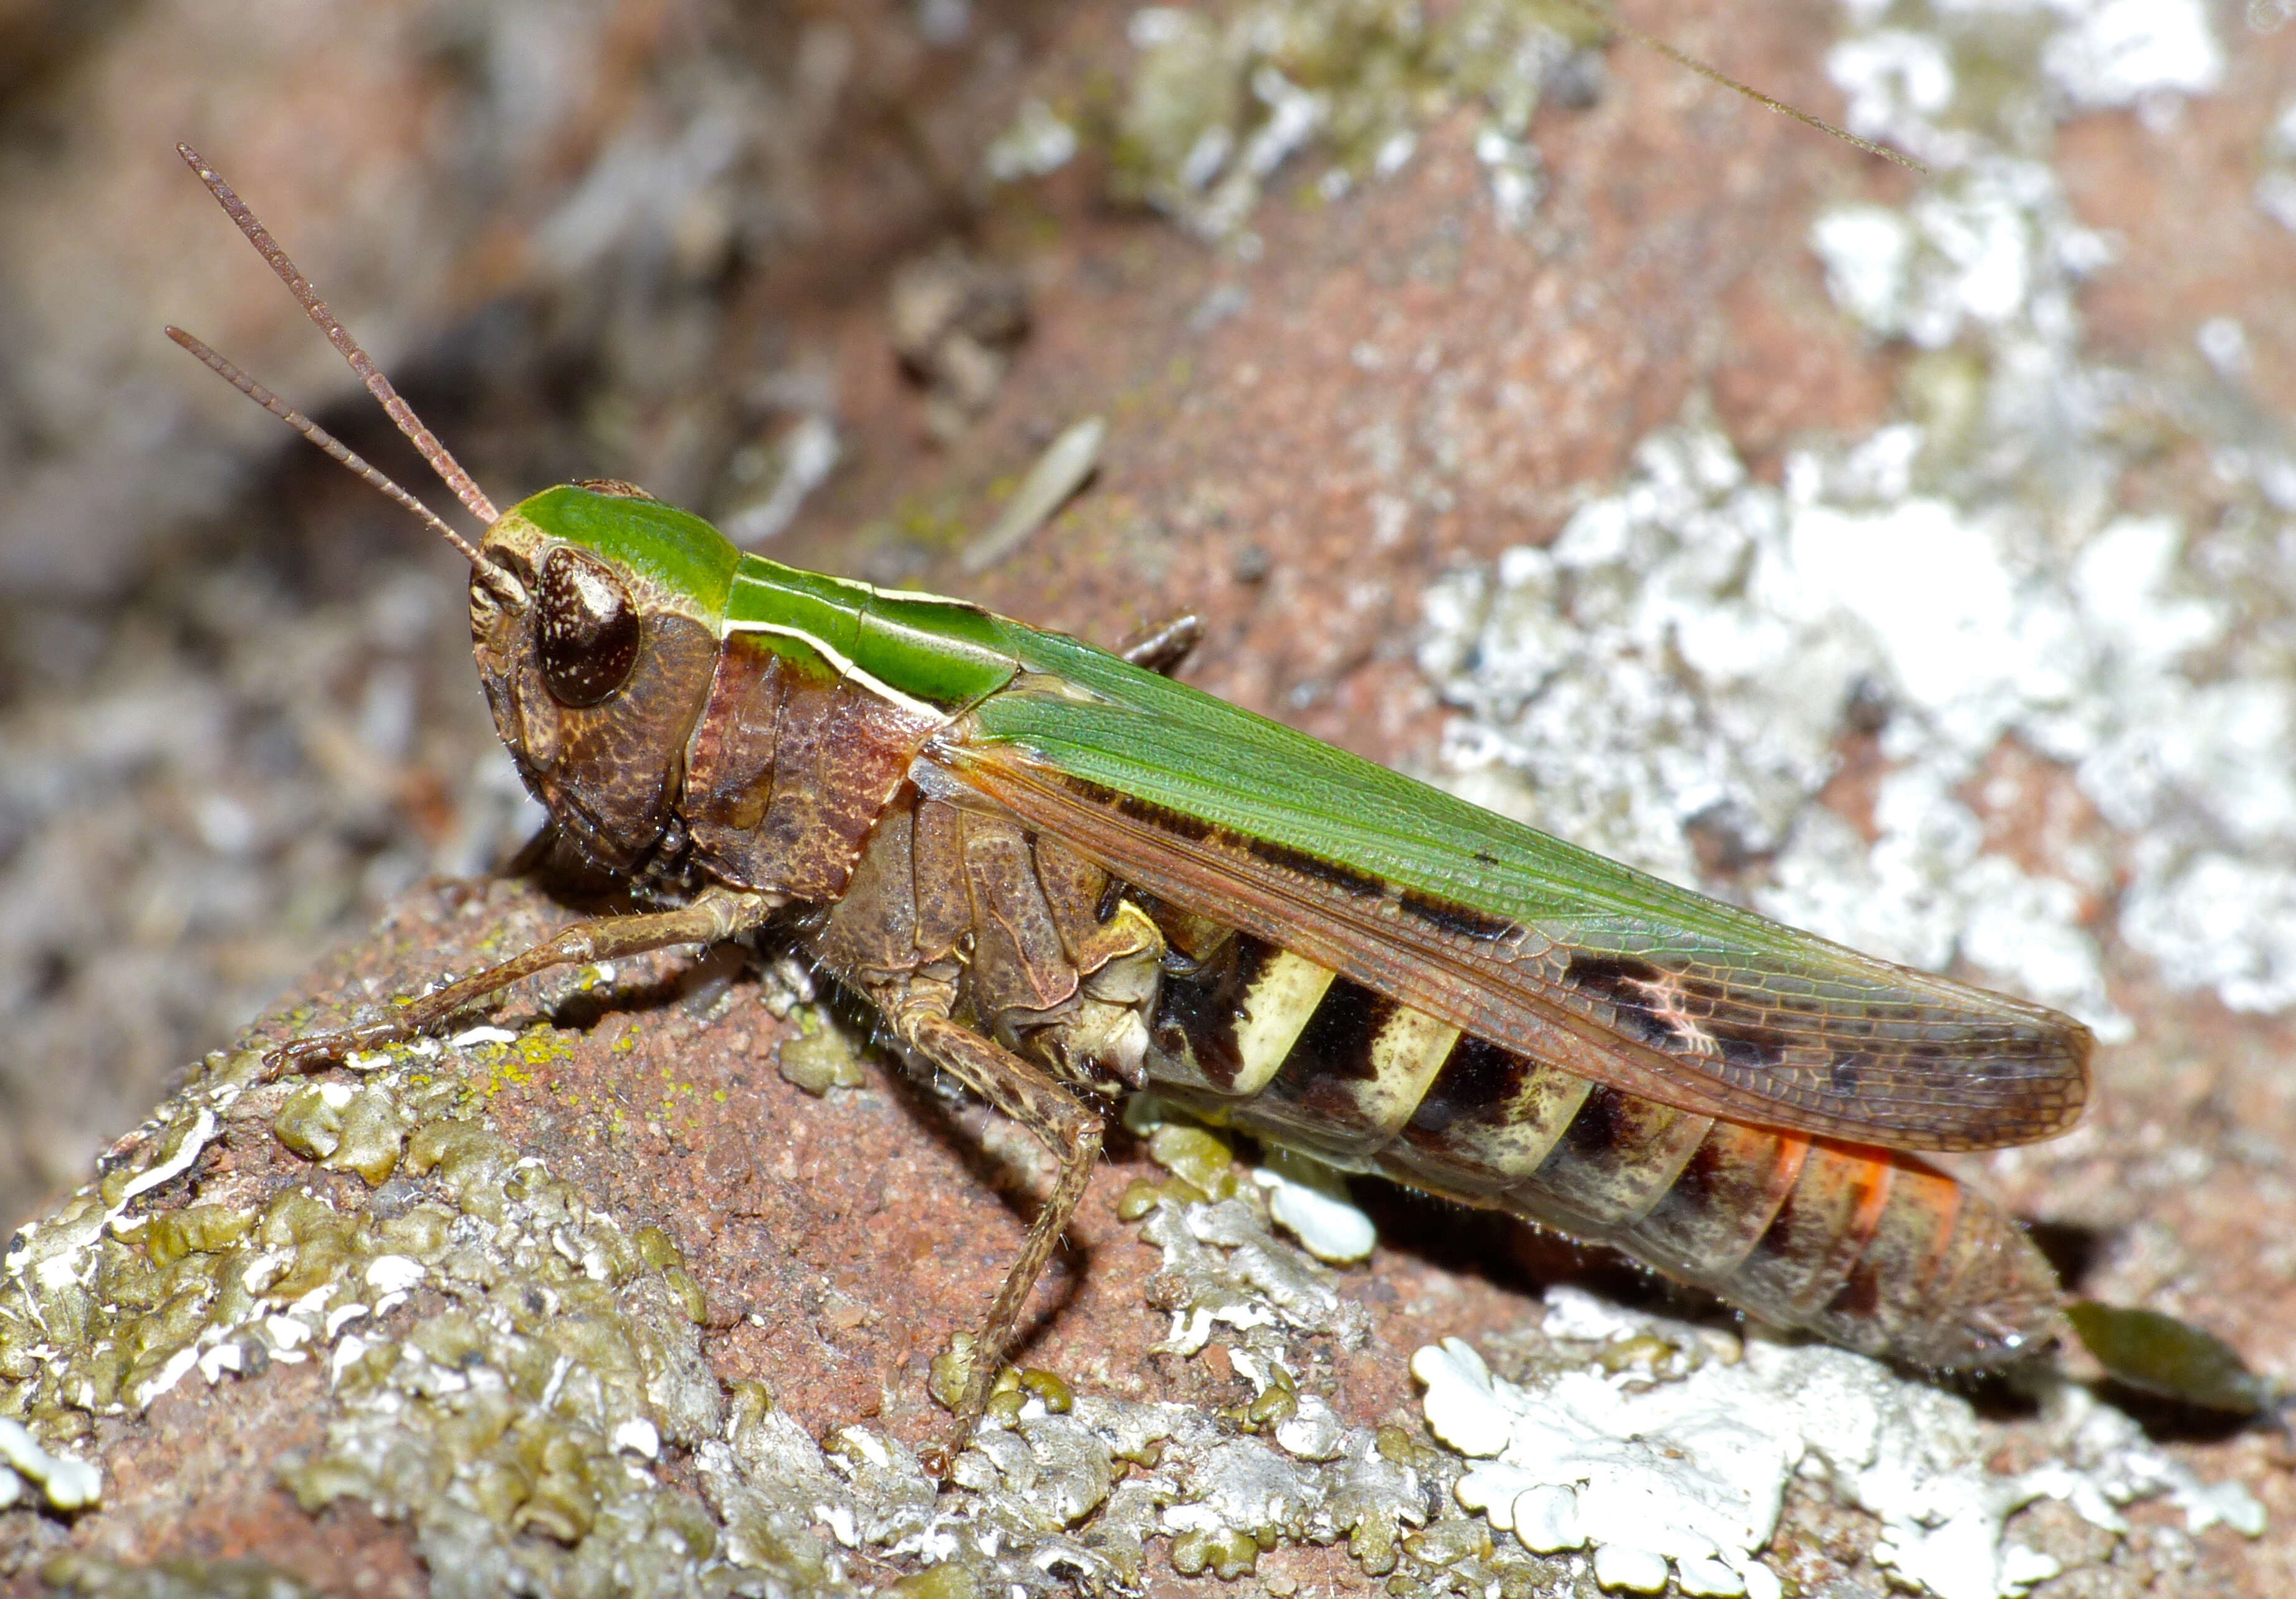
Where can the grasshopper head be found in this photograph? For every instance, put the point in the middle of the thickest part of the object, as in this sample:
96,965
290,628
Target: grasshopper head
597,655
594,608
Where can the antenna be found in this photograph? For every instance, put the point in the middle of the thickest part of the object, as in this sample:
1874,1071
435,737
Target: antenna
442,461
1603,13
325,440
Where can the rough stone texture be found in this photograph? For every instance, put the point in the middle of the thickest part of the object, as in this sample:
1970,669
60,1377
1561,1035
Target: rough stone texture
1305,427
587,240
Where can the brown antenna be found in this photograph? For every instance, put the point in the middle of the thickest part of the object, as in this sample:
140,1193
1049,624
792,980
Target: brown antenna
442,461
1607,15
325,440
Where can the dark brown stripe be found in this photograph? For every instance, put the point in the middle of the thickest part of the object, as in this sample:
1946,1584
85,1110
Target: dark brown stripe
1624,984
1336,1042
1459,921
1595,1133
1725,1199
1701,1186
1683,1014
1346,878
1861,1293
1446,915
1486,1123
1313,1088
1162,818
1197,1011
1617,1158
1197,830
1778,1260
1479,1083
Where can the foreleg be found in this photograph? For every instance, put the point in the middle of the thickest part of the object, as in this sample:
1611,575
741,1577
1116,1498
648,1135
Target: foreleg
715,916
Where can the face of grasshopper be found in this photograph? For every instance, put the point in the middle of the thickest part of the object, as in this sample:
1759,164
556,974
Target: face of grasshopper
596,638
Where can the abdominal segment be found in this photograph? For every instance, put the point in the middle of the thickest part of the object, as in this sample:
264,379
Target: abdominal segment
1867,1247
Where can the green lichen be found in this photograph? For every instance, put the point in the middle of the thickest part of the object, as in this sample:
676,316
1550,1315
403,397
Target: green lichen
941,1582
1197,1156
1276,1403
1447,1542
1227,1554
510,1414
1049,1388
370,1134
949,1371
182,1578
195,1229
513,1427
1140,1196
310,1123
516,1378
1214,104
821,1057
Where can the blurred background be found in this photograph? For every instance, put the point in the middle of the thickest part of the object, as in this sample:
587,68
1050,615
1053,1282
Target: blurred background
1909,554
586,239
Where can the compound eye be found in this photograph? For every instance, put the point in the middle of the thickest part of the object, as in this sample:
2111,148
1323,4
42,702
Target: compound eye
585,629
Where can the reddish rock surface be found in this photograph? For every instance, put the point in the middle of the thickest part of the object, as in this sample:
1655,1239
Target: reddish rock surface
1396,386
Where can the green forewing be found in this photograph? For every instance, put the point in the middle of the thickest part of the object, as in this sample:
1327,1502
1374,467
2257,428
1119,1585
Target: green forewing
1177,747
1520,938
1203,758
1507,931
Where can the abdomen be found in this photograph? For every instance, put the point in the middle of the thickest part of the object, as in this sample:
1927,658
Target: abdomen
1870,1249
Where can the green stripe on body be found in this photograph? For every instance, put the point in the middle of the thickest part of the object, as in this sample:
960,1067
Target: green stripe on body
943,653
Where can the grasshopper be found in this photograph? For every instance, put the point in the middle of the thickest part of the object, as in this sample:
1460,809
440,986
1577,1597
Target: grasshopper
1059,875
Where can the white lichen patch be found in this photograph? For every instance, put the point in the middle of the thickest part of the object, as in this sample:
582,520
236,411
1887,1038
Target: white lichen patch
2112,52
1690,652
1643,1441
1281,1466
2276,183
1309,1200
1067,1492
517,1378
1690,649
64,1481
1036,142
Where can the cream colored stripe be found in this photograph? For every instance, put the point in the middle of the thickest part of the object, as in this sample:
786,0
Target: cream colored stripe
1514,1142
841,665
1404,1058
1283,997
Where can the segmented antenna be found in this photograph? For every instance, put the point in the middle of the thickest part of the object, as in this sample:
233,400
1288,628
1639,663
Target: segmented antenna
325,440
1607,15
442,460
